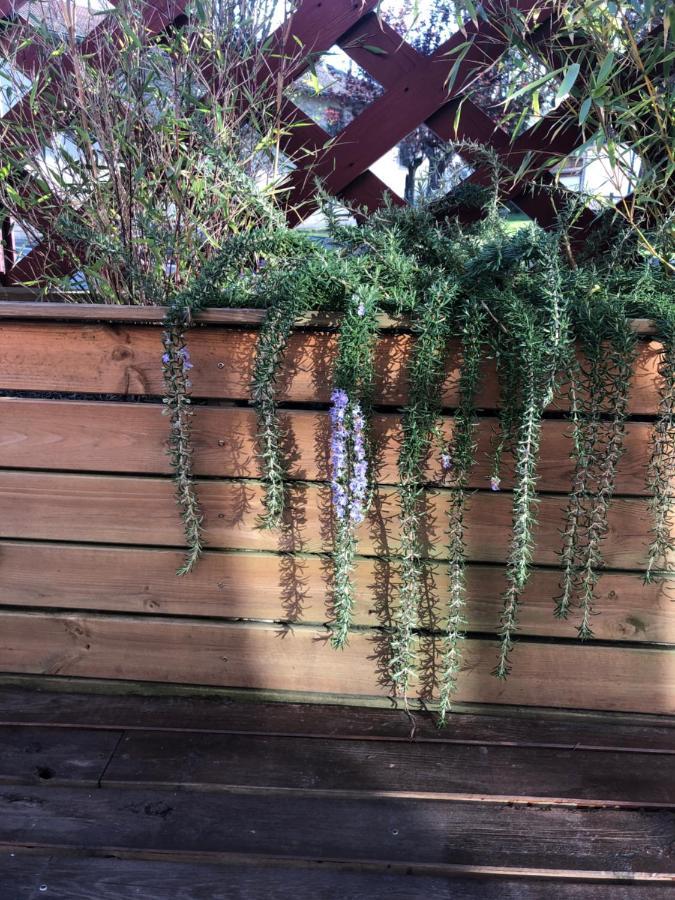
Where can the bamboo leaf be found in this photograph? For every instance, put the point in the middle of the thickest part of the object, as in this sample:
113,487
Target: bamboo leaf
585,109
378,51
532,86
605,69
452,77
568,82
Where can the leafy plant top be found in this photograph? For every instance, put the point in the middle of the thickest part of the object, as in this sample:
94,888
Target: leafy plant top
513,300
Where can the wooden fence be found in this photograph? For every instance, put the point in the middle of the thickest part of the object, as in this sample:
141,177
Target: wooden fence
90,535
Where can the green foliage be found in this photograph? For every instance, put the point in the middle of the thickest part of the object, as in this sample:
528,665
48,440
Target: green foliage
513,297
355,375
156,160
471,321
432,322
610,66
599,406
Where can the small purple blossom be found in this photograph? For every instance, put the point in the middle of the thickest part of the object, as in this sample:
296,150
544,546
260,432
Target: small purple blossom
181,355
361,309
184,355
495,481
349,466
339,399
446,462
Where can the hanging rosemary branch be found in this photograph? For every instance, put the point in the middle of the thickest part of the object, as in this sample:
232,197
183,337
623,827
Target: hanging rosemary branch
272,342
662,462
432,324
176,366
462,455
599,410
350,488
524,493
539,338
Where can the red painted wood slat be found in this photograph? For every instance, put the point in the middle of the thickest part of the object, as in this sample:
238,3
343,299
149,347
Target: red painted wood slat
414,97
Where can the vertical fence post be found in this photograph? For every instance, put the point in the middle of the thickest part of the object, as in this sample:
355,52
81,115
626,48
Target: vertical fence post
7,250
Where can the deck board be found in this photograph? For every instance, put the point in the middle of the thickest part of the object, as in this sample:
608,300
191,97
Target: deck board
479,772
116,879
447,835
34,755
218,714
190,797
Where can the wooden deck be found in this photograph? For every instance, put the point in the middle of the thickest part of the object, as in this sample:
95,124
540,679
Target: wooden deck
106,797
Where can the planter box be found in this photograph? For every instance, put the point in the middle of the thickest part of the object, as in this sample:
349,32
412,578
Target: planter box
90,536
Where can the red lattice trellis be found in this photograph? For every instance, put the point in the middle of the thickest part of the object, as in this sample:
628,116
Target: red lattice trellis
415,92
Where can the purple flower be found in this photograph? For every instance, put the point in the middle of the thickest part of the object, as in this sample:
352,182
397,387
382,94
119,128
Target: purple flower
446,462
495,481
339,399
349,467
361,309
166,359
184,355
356,515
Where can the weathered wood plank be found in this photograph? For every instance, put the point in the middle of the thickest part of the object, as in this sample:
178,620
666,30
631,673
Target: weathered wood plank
78,308
118,510
21,876
99,436
118,359
90,878
43,707
545,776
265,656
404,832
32,755
283,588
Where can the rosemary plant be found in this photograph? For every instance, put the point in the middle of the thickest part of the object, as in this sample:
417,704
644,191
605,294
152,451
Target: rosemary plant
432,323
459,464
518,298
351,401
599,406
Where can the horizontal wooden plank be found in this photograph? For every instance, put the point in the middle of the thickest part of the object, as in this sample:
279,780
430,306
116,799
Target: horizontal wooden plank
447,771
45,706
118,359
266,656
419,833
132,438
32,755
281,588
128,510
76,311
90,878
20,303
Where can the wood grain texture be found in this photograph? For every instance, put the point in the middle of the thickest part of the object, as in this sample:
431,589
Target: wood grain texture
87,878
267,656
100,436
481,773
132,510
43,705
268,586
32,755
121,359
22,303
368,830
